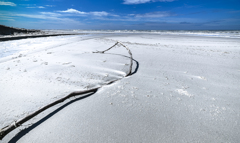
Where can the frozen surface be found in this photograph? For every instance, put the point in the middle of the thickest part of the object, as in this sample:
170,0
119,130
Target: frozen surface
186,89
204,33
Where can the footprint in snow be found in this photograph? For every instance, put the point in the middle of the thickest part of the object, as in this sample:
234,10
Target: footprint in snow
45,63
58,78
66,63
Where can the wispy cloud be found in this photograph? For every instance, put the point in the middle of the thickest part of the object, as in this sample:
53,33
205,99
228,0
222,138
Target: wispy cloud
40,15
102,13
43,15
7,3
153,16
49,17
70,10
157,14
37,16
50,5
81,13
52,14
143,1
36,7
4,17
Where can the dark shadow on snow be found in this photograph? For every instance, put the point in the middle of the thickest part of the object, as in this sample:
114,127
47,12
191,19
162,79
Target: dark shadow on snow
23,132
137,63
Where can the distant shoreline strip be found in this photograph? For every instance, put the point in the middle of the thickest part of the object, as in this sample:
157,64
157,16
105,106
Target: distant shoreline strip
33,36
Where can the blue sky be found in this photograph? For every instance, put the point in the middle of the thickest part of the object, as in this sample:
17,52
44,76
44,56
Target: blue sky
122,14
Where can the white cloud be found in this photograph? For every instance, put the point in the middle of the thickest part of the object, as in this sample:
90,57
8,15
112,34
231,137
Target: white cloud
41,15
73,11
102,13
135,1
95,13
153,16
36,7
6,18
37,16
53,14
50,5
49,17
49,20
157,14
7,3
143,1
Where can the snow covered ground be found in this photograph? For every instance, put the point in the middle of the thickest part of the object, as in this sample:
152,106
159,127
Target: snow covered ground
186,88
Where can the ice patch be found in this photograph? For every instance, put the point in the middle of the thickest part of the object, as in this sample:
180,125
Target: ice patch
201,77
183,92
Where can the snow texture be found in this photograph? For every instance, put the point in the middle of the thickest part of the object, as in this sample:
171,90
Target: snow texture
185,88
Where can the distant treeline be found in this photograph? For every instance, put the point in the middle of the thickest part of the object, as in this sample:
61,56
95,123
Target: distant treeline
5,30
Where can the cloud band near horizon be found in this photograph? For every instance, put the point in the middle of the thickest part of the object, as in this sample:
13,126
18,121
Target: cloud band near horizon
7,3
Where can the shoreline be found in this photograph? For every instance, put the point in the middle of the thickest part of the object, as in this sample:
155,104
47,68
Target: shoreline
33,36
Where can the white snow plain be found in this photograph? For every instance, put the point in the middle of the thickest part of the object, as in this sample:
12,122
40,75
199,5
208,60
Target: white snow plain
186,88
